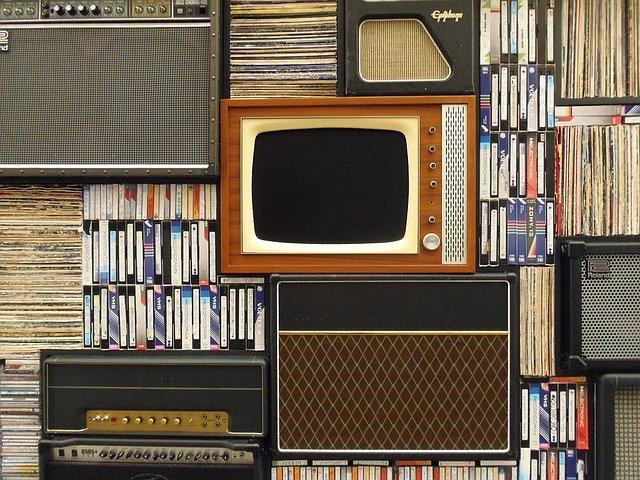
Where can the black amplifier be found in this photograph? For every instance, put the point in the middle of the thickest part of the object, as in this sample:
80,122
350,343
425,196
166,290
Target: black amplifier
129,459
600,303
153,393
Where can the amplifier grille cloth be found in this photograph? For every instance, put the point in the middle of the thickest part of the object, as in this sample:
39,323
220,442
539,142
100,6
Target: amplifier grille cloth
454,194
399,50
627,439
105,96
393,392
611,309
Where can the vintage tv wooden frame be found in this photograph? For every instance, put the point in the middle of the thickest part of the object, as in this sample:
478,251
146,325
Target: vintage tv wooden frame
427,108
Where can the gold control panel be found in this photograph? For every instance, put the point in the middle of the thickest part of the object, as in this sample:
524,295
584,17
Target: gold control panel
158,422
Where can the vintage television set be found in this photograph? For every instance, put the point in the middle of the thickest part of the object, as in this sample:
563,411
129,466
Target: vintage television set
400,47
109,87
345,185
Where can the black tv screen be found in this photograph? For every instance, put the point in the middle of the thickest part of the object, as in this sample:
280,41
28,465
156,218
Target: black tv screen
330,186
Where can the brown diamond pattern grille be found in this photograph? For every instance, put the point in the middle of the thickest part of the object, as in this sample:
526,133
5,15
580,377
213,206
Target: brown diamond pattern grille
393,391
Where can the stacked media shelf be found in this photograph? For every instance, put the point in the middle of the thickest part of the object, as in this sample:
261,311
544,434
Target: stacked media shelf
517,120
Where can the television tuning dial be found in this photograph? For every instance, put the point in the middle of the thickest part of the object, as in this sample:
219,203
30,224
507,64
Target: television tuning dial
431,241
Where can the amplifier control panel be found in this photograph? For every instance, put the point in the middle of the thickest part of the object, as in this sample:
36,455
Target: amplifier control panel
91,10
152,422
151,454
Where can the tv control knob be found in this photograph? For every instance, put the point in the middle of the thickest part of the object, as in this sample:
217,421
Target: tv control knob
82,10
225,456
431,241
58,9
95,9
70,9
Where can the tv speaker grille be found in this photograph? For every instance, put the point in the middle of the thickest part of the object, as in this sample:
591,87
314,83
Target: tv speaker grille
86,96
454,184
627,439
611,309
400,50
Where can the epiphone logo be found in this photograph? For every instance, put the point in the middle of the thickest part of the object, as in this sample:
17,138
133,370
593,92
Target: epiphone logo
443,16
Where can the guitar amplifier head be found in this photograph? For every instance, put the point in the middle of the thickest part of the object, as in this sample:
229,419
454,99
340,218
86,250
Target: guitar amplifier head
403,366
618,422
121,89
176,394
600,303
134,459
410,47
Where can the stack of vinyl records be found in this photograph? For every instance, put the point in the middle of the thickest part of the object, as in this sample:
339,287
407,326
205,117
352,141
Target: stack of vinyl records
600,44
40,265
598,180
19,417
283,48
537,325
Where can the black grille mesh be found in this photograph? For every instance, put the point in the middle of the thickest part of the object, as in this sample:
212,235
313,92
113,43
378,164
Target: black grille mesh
611,309
113,95
89,471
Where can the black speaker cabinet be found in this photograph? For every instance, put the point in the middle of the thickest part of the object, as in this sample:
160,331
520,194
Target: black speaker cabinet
618,427
109,87
600,303
162,459
403,47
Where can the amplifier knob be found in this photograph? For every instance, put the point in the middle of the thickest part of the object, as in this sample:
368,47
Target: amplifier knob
103,454
164,420
129,453
180,454
151,420
138,9
188,456
82,10
151,9
146,455
163,455
58,10
225,456
214,456
198,456
162,9
19,11
95,9
6,11
138,420
112,454
206,456
108,9
120,454
176,421
156,455
126,420
172,455
120,10
137,455
431,241
70,9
